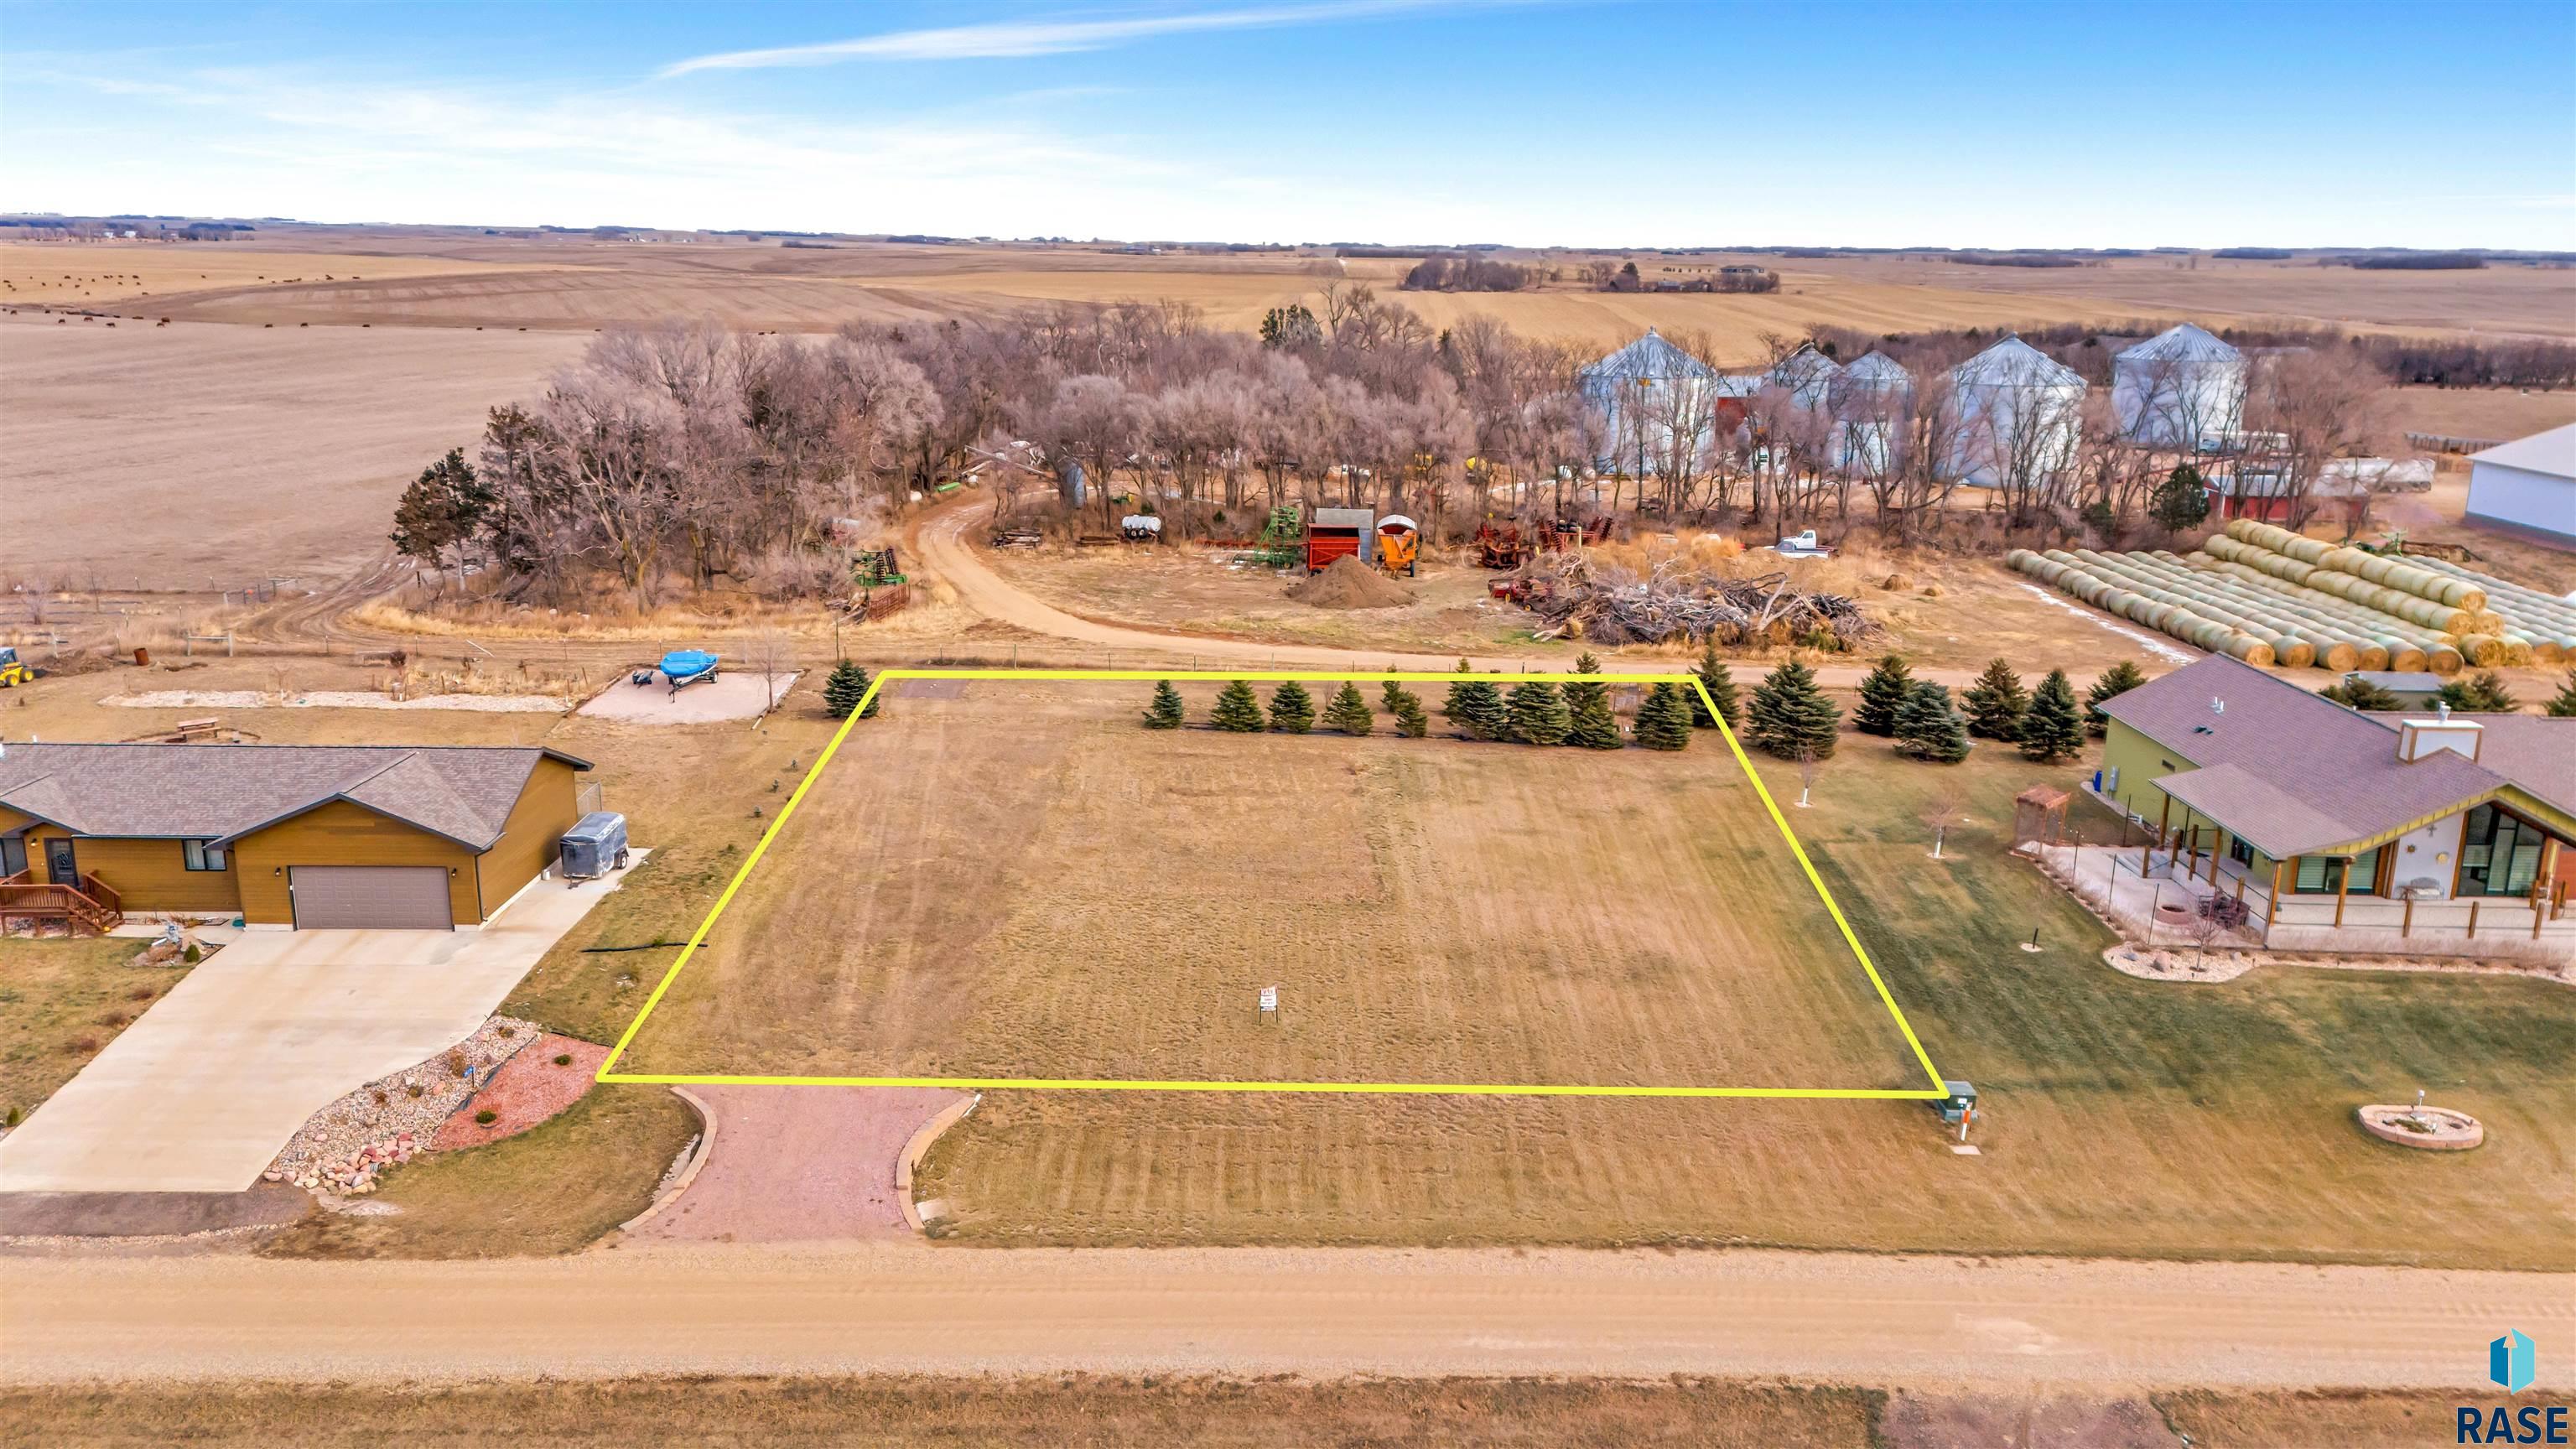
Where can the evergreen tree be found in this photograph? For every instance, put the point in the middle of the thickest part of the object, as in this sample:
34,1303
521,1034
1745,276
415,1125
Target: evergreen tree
2562,705
1476,707
2181,501
1579,691
1663,721
1791,714
1292,709
2053,729
1166,712
2358,693
1348,712
1538,713
1595,726
1410,720
1996,703
1882,694
2480,693
1929,729
842,691
2117,680
1720,684
1238,709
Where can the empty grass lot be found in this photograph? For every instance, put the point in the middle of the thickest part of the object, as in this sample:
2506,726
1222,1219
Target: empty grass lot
1024,883
2122,1117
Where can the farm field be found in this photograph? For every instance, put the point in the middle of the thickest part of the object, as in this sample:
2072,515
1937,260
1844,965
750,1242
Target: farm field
2478,412
101,273
1432,911
2120,1117
201,457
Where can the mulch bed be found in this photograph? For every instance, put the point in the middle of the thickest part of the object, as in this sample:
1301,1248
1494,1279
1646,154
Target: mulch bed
527,1090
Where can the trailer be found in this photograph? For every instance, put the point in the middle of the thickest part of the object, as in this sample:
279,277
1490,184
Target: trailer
1333,533
594,846
682,667
1399,545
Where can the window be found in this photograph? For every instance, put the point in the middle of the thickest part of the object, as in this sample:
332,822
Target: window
2240,851
2323,874
203,855
2499,853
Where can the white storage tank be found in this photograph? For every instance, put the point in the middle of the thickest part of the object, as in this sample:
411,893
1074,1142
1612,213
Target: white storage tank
1655,401
2181,389
1871,400
2020,413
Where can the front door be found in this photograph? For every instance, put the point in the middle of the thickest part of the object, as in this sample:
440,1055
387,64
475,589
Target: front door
61,865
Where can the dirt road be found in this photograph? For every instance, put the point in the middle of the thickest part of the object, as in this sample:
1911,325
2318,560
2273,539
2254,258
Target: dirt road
911,1307
939,538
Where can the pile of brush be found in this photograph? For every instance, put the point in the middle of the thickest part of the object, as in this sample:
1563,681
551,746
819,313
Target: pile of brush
1582,596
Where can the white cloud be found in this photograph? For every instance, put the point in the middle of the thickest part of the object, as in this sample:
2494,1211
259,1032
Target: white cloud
1014,38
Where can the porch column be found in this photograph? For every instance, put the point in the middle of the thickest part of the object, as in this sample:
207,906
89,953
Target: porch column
2273,908
2164,817
2343,883
2215,835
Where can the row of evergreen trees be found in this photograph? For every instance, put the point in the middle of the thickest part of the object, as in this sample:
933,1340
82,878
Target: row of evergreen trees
2047,722
1535,710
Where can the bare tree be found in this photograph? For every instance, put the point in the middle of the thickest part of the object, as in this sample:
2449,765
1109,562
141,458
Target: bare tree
1947,809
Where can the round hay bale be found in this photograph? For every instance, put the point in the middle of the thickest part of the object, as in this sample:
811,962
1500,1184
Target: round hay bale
2377,656
1896,583
1929,591
2341,658
2293,652
2483,650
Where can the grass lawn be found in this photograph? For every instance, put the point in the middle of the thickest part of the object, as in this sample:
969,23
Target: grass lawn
2122,1117
61,1003
1024,883
553,1189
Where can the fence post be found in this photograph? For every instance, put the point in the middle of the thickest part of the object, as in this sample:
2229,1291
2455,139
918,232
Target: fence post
2406,923
2473,917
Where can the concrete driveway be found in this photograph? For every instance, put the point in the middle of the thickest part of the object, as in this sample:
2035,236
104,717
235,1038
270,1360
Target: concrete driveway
199,1095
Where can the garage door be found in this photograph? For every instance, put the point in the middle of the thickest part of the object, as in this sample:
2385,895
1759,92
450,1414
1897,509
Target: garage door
370,897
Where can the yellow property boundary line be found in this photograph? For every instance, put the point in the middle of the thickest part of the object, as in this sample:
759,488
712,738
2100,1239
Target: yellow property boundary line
1485,1089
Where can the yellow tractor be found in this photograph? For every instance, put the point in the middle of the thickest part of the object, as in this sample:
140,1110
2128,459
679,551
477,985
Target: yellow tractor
13,672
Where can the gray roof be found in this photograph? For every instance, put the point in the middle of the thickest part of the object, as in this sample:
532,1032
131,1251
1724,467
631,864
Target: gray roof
1649,356
2400,681
2185,343
1359,518
2552,452
2015,363
1877,369
2296,774
218,792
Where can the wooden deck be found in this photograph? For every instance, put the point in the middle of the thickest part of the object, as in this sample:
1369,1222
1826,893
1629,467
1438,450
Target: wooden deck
92,907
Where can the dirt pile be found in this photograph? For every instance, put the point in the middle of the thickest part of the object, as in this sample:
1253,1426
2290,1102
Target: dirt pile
1347,583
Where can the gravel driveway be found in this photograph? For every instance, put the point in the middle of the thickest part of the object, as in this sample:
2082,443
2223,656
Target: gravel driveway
799,1164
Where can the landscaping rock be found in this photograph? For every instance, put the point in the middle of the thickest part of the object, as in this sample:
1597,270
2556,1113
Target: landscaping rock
356,1137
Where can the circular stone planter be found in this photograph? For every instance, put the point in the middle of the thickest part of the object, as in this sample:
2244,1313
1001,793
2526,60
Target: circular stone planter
2179,917
2446,1130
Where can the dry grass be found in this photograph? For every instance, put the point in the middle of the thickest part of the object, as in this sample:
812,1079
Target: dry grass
1069,1412
210,457
2343,1418
1432,910
61,1003
2460,412
2122,1117
101,274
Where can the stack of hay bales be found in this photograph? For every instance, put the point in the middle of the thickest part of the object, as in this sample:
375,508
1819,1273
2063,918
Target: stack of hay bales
2267,595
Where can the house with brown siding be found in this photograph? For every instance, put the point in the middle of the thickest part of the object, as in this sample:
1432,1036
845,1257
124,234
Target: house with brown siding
375,836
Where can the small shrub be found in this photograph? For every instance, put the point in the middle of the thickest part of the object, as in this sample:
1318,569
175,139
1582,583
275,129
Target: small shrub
413,1089
486,1117
505,1032
81,1045
457,1064
378,1095
113,1019
194,954
141,993
11,1118
563,1059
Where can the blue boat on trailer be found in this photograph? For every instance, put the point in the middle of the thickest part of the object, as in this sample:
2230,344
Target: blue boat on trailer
684,667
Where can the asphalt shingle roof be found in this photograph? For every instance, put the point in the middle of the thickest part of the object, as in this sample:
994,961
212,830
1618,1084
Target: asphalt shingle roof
216,792
2297,774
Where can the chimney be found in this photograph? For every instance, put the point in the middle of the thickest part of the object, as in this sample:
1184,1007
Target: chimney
2417,738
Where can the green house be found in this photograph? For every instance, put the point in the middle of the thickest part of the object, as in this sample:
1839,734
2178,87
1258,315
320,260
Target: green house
2251,779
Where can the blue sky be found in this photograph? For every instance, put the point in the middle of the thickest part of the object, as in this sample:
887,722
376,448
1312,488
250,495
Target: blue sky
1274,120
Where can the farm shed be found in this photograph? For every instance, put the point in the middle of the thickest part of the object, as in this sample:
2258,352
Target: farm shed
2528,486
1335,532
283,835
